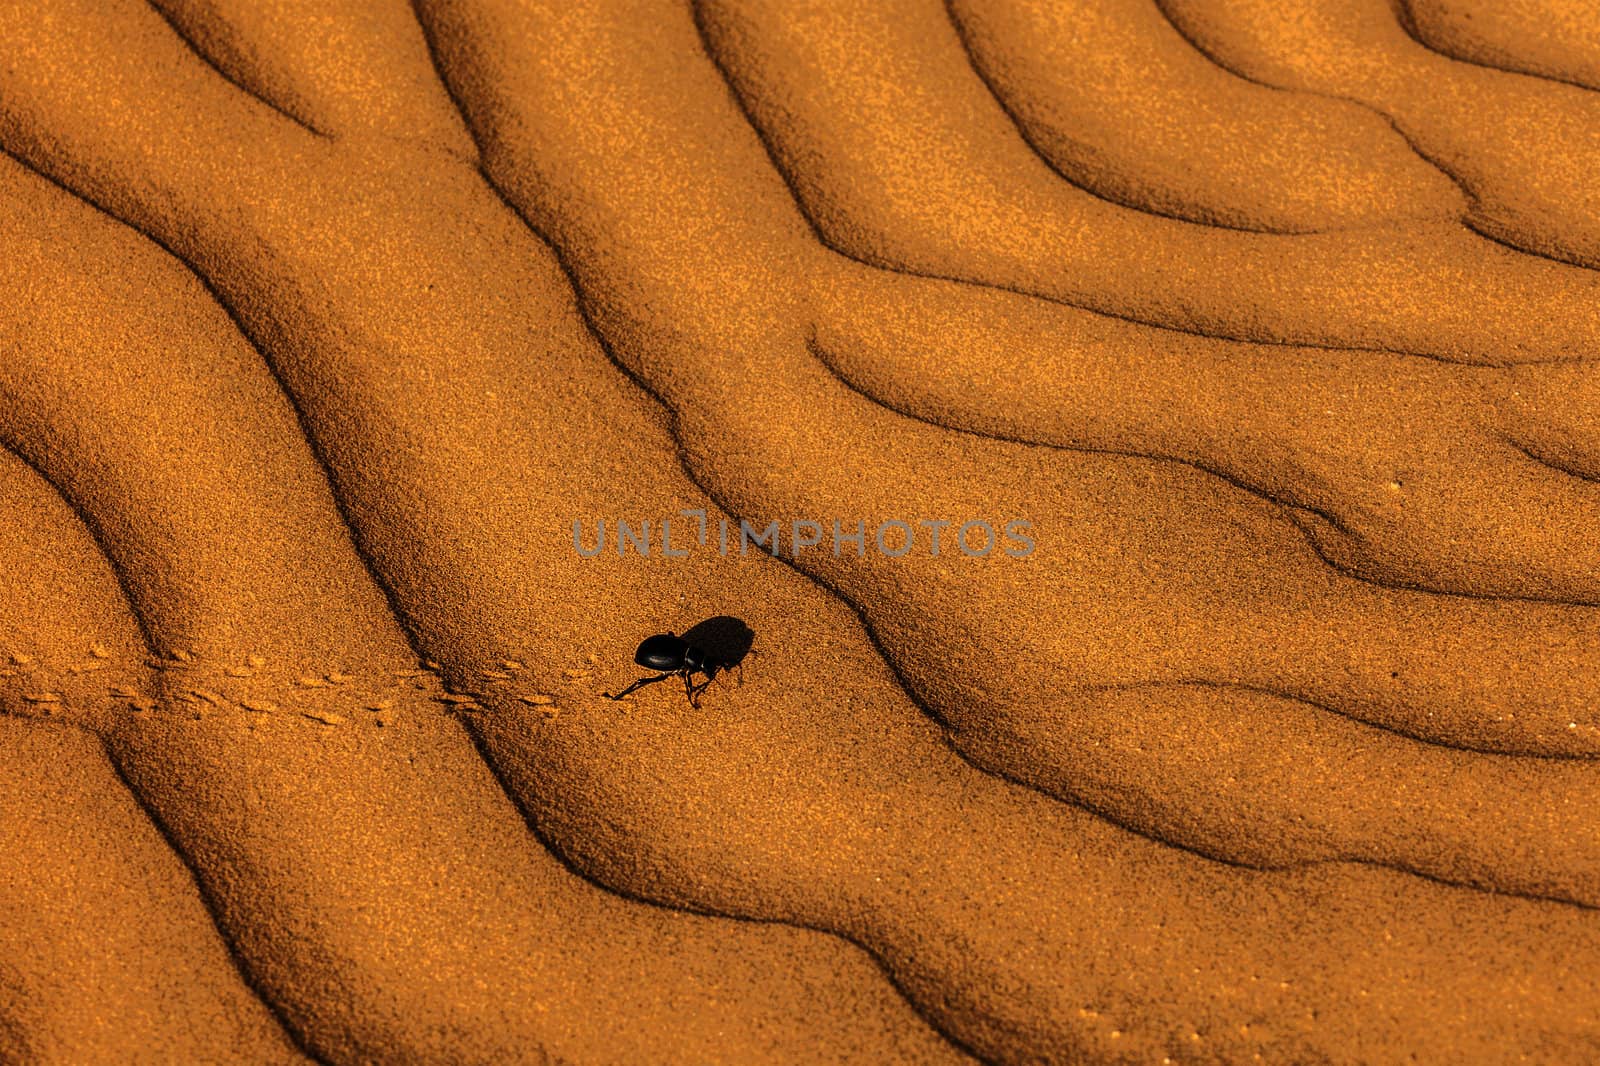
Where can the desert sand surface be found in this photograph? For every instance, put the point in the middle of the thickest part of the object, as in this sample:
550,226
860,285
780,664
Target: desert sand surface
1211,679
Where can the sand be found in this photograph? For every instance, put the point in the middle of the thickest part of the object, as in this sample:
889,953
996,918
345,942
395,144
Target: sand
1528,179
902,158
1118,102
324,326
1544,37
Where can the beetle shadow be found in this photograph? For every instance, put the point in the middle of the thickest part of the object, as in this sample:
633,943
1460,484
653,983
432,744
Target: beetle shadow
726,640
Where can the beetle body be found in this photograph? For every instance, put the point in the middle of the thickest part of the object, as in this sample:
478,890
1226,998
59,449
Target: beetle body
669,654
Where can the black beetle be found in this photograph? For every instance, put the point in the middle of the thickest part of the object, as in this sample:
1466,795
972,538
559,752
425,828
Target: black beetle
670,654
718,643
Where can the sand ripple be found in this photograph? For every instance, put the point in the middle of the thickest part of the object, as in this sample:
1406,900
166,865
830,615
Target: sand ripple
323,325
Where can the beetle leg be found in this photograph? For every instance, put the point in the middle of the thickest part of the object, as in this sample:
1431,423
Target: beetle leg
642,681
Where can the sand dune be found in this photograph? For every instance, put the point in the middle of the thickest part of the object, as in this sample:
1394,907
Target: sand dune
1117,101
325,323
376,796
110,953
1402,470
1552,38
1522,148
901,158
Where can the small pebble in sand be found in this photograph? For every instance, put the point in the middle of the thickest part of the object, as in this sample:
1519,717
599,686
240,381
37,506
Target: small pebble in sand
99,651
123,692
325,717
143,705
429,664
512,664
538,699
380,705
181,655
207,695
259,706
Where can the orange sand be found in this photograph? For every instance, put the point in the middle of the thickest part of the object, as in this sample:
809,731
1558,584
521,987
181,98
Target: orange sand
324,325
